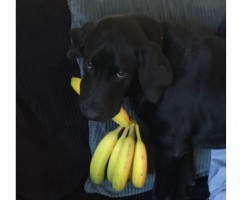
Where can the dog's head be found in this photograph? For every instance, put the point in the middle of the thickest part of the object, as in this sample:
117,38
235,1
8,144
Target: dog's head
114,50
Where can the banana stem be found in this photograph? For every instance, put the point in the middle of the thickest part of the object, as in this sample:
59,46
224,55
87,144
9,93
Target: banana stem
131,130
137,131
118,129
125,132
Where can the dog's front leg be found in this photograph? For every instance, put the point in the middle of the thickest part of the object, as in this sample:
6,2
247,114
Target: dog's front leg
170,161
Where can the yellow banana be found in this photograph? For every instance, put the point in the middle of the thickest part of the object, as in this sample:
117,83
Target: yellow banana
75,83
121,118
101,155
139,172
124,162
114,155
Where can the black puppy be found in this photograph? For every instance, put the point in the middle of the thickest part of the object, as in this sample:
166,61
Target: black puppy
176,80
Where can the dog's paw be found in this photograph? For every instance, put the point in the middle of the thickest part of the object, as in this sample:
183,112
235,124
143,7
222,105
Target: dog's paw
160,195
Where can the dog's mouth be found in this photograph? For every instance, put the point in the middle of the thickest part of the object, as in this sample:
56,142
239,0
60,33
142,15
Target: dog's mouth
100,116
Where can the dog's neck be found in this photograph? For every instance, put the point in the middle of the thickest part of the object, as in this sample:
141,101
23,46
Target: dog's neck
138,101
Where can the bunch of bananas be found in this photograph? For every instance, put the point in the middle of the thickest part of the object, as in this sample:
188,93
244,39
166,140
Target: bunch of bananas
118,153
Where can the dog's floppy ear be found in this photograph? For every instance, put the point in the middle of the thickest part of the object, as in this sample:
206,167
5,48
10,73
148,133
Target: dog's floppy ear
78,39
155,72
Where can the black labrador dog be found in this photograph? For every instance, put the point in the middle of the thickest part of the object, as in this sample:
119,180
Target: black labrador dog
176,80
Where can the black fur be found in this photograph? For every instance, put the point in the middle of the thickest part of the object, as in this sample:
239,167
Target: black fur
176,80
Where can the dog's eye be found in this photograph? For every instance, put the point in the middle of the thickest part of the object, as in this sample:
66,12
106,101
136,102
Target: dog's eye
89,65
121,74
